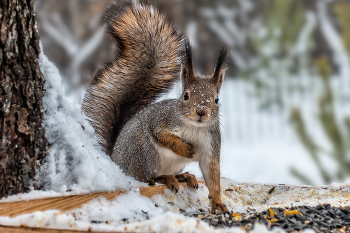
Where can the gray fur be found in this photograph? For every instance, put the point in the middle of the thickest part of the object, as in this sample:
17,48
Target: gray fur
136,150
150,140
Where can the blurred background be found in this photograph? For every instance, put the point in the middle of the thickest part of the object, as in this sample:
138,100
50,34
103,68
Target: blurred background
286,97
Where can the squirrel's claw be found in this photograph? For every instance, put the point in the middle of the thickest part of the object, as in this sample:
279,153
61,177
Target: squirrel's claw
170,181
173,185
192,181
189,178
190,151
182,148
218,205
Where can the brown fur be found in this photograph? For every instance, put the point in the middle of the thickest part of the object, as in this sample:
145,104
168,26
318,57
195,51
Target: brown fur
174,143
155,140
189,178
140,73
200,88
170,181
214,188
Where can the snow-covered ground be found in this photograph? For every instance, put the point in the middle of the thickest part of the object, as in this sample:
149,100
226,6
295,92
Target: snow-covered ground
76,163
135,213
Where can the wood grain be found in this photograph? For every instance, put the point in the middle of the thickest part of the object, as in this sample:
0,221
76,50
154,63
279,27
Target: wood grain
65,203
23,229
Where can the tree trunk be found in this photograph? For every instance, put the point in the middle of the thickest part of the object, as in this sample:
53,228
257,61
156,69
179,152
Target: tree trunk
22,144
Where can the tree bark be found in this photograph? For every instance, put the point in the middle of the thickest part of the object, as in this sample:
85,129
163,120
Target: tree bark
22,145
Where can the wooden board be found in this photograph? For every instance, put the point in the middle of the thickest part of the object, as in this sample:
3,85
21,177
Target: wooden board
62,203
12,229
65,203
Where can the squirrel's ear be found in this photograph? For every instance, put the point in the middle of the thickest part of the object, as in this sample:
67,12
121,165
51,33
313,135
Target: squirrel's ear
220,68
187,73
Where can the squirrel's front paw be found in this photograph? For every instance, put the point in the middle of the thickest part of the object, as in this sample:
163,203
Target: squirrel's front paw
189,151
183,149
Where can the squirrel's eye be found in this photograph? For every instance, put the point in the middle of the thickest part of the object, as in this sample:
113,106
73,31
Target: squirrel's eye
186,96
217,99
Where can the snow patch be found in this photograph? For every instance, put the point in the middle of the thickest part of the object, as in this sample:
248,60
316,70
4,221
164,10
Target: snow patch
135,213
75,161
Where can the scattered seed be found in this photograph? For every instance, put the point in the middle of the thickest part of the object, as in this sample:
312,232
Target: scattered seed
290,219
271,190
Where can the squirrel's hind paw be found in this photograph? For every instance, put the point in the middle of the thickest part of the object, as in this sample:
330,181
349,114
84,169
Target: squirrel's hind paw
215,205
169,181
189,178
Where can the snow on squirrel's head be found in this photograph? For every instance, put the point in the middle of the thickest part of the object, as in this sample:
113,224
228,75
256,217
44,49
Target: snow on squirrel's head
199,101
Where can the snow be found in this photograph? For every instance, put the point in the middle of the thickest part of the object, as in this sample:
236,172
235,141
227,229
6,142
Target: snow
135,213
36,194
300,46
256,196
75,161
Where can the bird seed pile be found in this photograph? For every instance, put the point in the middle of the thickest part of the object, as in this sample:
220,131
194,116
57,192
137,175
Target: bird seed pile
289,207
322,218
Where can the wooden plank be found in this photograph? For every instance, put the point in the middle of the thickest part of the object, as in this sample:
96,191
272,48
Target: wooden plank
23,229
65,203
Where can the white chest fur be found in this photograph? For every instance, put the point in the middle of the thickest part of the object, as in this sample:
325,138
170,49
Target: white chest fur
199,137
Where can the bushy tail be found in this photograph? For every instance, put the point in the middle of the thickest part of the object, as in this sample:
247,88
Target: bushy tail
147,64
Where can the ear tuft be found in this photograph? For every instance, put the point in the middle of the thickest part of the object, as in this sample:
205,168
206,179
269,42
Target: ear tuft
220,68
188,55
187,70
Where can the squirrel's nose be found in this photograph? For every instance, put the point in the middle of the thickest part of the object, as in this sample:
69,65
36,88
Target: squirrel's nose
201,112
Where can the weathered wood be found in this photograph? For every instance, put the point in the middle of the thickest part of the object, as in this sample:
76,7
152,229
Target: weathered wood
22,141
65,203
12,229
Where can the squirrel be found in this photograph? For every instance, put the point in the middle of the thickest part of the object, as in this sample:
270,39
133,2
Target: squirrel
148,139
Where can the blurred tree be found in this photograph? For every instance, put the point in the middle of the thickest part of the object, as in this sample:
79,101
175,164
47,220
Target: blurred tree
301,46
342,10
23,144
74,40
339,139
279,53
275,44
